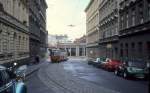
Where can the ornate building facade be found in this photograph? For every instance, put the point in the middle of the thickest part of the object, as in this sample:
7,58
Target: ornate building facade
92,30
134,31
109,28
14,33
102,28
37,27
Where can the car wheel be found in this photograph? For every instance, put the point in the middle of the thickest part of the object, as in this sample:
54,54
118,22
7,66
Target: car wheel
125,75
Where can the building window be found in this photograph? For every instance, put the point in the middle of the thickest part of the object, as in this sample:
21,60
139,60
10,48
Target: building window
19,41
126,49
141,16
133,17
0,40
14,40
127,24
121,22
121,50
149,10
133,50
104,34
140,48
8,42
133,45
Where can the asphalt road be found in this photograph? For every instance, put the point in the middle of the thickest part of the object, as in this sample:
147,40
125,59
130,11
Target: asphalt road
75,76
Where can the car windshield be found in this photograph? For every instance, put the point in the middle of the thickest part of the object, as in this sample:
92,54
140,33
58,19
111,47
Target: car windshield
138,64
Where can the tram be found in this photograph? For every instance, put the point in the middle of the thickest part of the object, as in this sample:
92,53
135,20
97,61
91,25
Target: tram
57,55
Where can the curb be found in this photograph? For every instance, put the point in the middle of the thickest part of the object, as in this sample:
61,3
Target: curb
33,71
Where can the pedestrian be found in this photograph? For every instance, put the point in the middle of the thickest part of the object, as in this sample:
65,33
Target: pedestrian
37,59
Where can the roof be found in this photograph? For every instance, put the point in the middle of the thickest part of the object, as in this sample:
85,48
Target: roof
91,1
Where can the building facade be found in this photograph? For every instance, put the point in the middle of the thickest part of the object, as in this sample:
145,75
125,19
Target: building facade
14,33
109,28
134,31
37,27
92,30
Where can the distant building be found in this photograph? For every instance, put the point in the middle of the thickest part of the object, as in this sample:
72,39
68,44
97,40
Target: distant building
80,40
54,40
14,33
76,48
62,39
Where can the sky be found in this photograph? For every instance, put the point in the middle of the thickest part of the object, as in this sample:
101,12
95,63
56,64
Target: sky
61,13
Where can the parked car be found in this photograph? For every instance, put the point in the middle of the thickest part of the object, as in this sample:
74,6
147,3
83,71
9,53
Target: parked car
111,64
90,61
94,63
131,68
103,63
12,82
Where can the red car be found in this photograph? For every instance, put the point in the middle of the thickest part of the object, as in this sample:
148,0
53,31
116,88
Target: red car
111,64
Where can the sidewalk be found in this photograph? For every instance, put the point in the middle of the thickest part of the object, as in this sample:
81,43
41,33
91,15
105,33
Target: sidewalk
84,58
34,67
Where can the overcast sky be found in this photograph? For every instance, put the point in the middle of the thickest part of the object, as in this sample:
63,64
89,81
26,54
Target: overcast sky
61,13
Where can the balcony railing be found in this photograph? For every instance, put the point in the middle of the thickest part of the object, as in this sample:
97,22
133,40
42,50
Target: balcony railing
2,56
135,29
109,39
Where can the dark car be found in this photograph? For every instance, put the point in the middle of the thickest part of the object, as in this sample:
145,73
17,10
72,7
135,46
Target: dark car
90,61
9,83
131,68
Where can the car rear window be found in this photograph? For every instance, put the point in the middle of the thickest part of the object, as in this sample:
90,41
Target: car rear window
139,64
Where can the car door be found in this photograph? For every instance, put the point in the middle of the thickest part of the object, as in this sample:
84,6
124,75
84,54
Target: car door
6,85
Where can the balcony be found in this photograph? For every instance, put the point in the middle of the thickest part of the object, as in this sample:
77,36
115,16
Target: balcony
9,55
109,39
2,56
135,29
